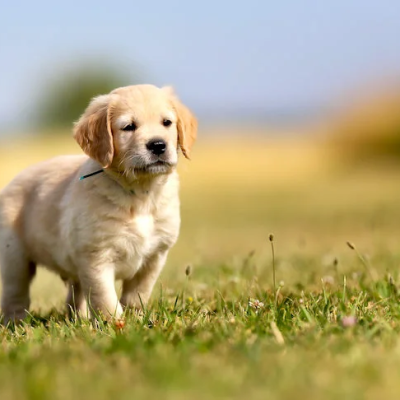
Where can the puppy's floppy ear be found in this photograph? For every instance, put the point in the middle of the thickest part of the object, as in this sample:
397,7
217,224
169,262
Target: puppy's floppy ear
186,124
93,131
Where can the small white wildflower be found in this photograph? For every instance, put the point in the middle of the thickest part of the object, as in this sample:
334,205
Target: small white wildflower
256,304
301,301
328,279
282,283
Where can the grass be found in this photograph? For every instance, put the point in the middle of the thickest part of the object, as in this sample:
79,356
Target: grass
330,328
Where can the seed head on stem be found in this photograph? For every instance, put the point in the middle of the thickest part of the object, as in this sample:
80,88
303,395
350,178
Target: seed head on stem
271,239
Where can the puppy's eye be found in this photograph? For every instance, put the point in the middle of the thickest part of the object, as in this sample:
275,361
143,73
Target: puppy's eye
130,127
167,122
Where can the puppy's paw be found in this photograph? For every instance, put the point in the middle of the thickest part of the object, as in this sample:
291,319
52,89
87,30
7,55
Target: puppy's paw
15,318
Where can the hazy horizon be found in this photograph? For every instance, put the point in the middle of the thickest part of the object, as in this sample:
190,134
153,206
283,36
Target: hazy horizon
225,59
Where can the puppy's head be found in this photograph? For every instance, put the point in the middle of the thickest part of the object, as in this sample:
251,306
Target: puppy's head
137,129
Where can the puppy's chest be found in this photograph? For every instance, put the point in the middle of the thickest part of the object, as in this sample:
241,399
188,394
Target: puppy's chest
137,239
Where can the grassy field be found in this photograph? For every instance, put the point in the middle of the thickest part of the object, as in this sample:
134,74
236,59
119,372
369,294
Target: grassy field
330,330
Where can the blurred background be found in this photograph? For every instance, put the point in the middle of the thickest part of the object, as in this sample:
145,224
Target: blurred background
298,104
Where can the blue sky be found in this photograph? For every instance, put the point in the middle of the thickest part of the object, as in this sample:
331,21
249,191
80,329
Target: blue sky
222,56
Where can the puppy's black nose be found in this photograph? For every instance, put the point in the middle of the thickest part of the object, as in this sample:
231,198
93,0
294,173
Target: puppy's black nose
157,146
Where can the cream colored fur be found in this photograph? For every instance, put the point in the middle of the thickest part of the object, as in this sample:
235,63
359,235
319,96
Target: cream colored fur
119,224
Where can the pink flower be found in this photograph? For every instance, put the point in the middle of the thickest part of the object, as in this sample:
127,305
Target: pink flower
349,321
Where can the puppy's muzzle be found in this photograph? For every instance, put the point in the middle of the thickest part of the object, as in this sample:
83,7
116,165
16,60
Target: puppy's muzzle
157,146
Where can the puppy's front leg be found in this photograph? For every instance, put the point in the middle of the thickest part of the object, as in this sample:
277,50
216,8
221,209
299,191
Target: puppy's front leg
99,288
138,289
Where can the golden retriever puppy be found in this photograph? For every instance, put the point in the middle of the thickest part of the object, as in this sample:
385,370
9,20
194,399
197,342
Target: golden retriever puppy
94,228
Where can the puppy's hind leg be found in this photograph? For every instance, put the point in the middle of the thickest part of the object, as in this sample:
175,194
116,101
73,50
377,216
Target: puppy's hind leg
17,272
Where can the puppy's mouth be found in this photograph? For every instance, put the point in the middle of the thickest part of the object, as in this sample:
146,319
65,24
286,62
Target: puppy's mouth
155,167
